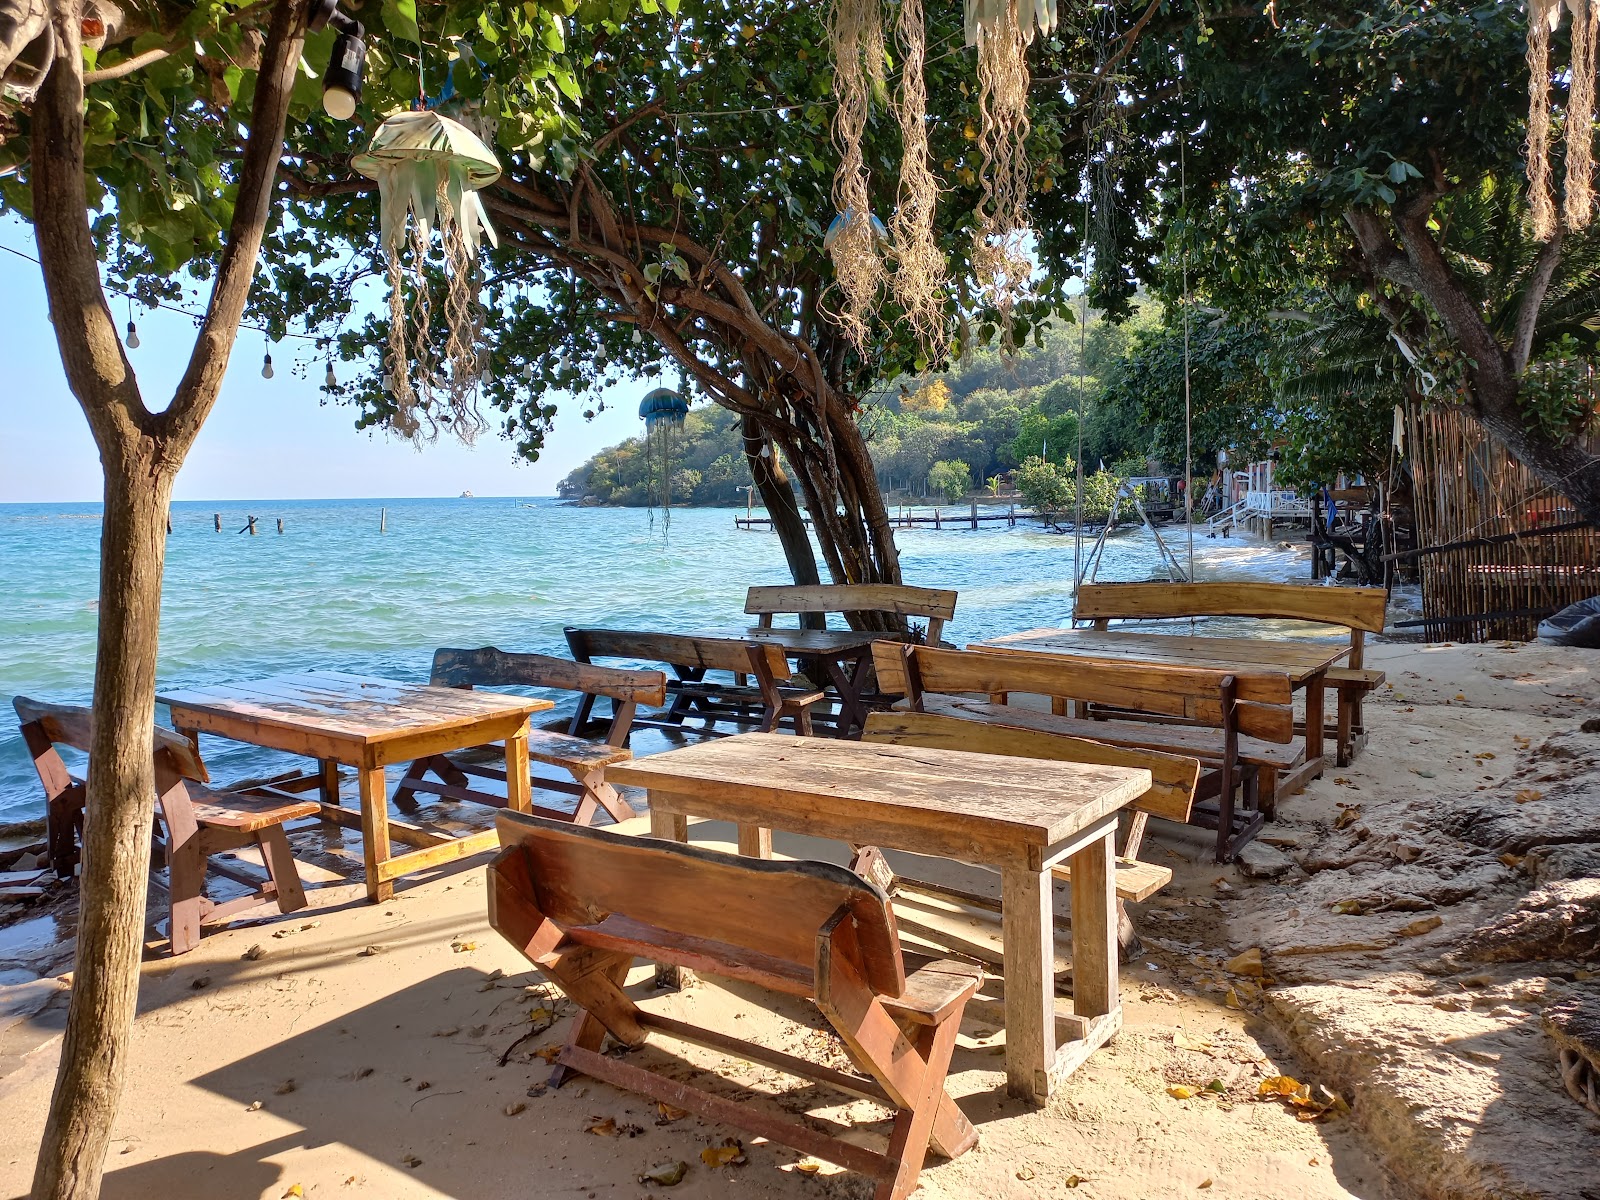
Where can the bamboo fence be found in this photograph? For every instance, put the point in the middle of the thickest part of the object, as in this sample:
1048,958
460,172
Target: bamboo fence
1500,550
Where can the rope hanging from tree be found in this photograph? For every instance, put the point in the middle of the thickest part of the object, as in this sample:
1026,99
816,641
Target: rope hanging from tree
854,245
919,268
1544,18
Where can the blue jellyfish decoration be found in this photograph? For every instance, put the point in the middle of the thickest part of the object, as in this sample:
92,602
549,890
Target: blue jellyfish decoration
837,226
663,411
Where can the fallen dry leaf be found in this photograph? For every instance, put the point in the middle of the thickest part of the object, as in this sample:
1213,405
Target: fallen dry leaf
1511,860
1024,1173
295,1192
1073,1181
253,1106
668,1113
1184,1041
1179,1092
667,1174
808,1166
371,950
605,1128
1348,815
1274,1086
255,952
1484,754
1248,963
1203,1184
730,1152
1421,926
1526,795
515,1107
462,947
1348,907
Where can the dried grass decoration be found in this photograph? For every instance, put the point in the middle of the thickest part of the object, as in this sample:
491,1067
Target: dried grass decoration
1002,30
854,245
919,264
431,167
1544,18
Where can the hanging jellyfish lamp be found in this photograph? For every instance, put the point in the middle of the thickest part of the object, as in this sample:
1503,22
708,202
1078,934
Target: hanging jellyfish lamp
430,168
663,411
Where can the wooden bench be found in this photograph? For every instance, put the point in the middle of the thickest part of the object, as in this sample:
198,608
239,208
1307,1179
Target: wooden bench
196,822
581,904
692,693
584,760
1238,725
1360,610
936,605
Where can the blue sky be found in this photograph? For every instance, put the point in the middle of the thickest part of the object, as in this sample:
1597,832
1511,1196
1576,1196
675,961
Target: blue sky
266,439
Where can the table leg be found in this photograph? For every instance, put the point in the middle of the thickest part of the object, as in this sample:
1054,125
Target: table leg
848,684
519,787
755,841
1029,943
1094,930
672,827
1314,706
328,780
375,830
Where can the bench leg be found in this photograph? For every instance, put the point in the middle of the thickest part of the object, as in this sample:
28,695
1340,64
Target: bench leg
914,1126
187,867
1028,939
375,831
1314,720
1349,718
598,989
279,860
597,793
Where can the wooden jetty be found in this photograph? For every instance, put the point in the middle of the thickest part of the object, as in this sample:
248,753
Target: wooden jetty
941,519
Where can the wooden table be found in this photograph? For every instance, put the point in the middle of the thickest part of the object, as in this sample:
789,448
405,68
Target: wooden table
846,654
370,724
1305,662
1021,815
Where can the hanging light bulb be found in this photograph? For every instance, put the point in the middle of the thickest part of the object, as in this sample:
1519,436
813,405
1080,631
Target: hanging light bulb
638,338
486,377
330,378
528,371
133,335
266,365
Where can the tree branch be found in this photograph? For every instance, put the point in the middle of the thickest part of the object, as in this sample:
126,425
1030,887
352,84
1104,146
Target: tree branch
123,69
1544,270
208,362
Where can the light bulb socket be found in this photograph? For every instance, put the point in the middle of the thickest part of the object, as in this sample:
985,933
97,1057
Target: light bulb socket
266,366
341,84
133,336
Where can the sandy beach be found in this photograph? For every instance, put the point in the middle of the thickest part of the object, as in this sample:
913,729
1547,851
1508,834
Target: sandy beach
399,1050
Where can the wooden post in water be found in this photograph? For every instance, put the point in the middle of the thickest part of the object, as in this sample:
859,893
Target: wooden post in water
974,514
280,526
216,521
936,524
169,522
383,520
1011,517
252,521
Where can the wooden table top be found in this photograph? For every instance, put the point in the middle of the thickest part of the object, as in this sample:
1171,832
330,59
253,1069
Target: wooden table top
818,641
356,708
1298,659
771,779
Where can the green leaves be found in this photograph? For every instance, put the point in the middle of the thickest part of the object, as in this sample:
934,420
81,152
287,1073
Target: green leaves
400,19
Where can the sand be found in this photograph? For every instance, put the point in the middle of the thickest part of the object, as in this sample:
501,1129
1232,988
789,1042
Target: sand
360,1053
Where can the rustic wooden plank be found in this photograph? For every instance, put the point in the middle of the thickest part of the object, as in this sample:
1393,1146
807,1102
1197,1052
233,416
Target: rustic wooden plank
1227,655
814,641
446,851
842,598
1094,930
984,804
1173,778
375,831
1204,744
490,667
1353,608
1030,990
683,650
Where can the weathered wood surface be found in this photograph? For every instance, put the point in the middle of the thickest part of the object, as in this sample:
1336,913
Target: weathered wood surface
861,597
680,650
369,724
1353,608
1163,689
349,708
1299,660
796,641
581,904
1021,815
1173,777
491,667
998,808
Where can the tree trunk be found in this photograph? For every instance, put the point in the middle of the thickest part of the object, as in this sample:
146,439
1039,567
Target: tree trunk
116,830
778,496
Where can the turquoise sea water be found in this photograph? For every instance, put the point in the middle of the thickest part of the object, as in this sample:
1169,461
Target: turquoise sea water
334,593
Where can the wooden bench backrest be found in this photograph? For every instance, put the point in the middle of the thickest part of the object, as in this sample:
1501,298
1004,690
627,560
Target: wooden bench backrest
1173,777
1360,610
72,725
1264,710
730,902
681,650
938,605
489,667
